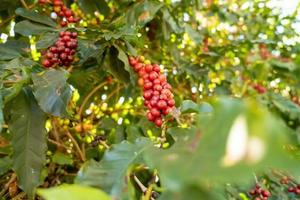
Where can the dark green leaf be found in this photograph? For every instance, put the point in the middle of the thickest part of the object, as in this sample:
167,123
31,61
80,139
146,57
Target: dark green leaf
109,174
8,53
72,192
27,124
36,17
27,28
46,40
1,112
90,6
52,91
117,67
5,165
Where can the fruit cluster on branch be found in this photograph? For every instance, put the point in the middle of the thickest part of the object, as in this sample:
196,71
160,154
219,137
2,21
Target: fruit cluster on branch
67,16
62,52
259,194
158,97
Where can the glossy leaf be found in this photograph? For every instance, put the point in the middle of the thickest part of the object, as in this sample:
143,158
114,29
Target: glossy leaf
27,124
109,174
35,16
117,67
72,192
46,40
27,28
8,53
52,91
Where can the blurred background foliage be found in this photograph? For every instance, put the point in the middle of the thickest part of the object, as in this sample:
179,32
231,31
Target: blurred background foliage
234,69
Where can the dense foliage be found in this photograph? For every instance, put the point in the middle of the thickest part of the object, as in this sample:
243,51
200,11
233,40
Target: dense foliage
148,99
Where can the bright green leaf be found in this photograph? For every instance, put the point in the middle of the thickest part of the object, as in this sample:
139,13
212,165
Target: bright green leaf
109,174
72,192
62,159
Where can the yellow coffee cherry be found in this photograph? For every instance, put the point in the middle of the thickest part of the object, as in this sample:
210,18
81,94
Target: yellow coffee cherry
147,62
142,58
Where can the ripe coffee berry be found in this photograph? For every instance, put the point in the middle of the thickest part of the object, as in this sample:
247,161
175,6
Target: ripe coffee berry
156,91
60,54
295,189
258,193
66,14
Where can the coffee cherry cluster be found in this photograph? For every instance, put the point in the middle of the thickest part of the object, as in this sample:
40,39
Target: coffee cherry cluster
62,11
158,97
294,189
259,194
62,52
259,88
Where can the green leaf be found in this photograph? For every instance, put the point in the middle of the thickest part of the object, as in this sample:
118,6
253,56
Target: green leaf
46,40
27,124
35,16
242,128
283,65
117,67
8,53
90,6
5,165
169,19
286,106
52,91
143,12
27,28
194,35
189,106
87,49
62,159
109,174
1,113
72,192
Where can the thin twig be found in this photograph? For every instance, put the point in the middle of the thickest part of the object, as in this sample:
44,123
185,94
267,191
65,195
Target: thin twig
57,143
19,196
82,157
104,144
24,4
55,132
89,96
6,186
140,184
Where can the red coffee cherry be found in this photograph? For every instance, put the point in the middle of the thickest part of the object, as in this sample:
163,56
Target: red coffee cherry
158,97
60,53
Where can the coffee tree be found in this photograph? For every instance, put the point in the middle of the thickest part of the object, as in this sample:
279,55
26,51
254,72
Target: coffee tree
148,99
